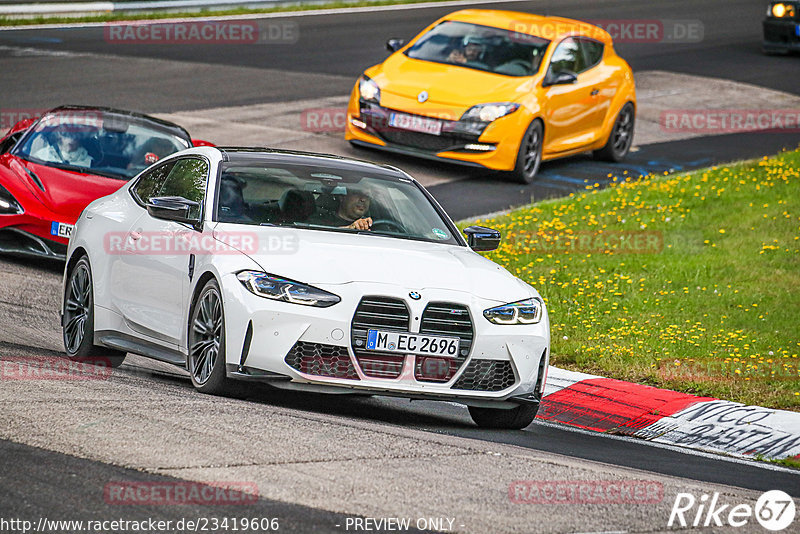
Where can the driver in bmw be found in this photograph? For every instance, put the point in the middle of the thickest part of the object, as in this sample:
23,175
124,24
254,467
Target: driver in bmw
352,211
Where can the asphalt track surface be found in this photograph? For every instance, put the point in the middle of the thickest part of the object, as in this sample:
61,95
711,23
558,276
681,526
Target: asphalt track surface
331,52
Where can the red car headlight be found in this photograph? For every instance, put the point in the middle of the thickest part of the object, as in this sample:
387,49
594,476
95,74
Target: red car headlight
9,204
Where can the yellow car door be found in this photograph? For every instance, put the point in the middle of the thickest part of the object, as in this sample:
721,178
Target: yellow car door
569,102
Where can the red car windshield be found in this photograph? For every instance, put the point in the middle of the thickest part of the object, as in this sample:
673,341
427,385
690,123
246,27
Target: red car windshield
100,142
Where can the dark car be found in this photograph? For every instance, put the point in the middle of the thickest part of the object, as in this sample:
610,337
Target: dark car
782,28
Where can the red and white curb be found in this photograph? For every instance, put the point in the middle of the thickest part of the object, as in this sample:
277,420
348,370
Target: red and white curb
605,405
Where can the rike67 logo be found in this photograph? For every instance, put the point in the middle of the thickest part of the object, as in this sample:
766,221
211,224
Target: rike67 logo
774,510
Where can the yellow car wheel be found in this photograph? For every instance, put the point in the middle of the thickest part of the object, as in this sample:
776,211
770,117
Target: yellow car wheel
529,156
621,137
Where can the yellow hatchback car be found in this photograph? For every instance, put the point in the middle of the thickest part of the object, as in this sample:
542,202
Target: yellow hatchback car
500,90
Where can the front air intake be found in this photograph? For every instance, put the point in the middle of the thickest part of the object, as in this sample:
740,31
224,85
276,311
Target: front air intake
378,313
321,360
444,319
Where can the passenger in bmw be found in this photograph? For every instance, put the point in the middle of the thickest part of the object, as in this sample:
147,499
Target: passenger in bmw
351,212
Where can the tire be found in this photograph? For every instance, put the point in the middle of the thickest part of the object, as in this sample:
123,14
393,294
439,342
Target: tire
621,137
529,154
206,354
513,419
78,321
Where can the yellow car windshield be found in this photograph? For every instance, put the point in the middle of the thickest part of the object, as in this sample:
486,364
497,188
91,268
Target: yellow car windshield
481,47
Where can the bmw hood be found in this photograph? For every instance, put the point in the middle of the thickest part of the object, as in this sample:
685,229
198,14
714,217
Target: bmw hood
331,258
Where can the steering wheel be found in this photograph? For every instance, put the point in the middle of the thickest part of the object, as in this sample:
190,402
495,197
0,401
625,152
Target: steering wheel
525,64
391,224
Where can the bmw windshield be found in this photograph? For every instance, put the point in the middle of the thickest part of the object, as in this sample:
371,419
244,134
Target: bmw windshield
481,47
99,142
327,198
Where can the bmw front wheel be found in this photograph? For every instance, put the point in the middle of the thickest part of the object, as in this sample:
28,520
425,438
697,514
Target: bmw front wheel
510,419
206,360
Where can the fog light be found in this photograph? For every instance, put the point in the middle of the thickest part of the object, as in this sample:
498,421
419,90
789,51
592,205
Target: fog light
358,124
479,147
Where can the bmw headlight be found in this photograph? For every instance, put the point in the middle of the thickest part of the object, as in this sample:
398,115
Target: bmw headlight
528,311
489,112
9,204
277,288
368,89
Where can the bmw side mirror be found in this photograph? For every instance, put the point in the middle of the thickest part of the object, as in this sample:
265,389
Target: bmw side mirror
176,209
480,238
563,77
393,45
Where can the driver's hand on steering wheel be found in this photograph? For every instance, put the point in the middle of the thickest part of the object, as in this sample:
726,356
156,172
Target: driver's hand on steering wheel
361,224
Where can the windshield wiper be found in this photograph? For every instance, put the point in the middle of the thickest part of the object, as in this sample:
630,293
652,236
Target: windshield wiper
86,170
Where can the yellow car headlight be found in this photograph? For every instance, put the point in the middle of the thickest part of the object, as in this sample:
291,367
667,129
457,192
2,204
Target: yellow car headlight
489,112
368,89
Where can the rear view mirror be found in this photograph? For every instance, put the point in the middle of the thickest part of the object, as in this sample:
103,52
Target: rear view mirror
176,209
480,238
393,45
563,77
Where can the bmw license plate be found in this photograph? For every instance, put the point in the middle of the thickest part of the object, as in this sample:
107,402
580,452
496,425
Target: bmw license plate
61,229
412,343
415,123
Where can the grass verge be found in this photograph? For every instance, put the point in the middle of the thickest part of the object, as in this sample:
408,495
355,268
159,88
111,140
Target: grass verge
133,16
684,281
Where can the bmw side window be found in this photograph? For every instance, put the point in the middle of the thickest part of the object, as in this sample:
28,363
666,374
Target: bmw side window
187,179
150,183
592,52
567,57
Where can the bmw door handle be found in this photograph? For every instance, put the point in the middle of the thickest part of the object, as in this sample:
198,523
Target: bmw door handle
595,92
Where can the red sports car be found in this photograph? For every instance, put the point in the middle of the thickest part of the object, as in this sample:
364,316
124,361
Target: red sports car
54,166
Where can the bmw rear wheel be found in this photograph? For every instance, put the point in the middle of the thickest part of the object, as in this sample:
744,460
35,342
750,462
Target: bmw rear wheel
78,320
621,137
529,156
513,419
206,360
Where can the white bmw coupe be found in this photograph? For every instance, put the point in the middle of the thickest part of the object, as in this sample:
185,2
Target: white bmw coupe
308,272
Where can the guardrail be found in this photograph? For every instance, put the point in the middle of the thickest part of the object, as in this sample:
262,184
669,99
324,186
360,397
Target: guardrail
62,8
